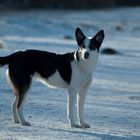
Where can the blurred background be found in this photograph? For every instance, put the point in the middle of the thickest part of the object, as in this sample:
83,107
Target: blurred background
65,4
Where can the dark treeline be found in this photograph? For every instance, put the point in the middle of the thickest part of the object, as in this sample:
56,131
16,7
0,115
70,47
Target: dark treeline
65,4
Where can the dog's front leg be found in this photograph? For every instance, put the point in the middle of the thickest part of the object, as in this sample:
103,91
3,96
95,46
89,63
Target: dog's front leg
80,104
72,93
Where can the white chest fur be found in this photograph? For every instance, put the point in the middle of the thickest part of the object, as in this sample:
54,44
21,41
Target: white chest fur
89,65
82,70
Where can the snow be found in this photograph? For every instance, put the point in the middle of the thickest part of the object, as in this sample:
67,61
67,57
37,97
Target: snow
113,102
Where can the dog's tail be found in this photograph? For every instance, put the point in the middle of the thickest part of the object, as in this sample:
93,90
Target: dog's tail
5,60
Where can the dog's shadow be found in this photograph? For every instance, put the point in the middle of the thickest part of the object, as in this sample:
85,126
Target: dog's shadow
96,135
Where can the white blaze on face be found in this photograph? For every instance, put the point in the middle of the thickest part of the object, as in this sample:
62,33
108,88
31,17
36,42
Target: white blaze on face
86,49
87,43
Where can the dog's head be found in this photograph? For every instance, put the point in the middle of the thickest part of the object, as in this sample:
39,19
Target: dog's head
87,46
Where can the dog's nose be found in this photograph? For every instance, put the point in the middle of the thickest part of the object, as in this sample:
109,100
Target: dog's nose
86,55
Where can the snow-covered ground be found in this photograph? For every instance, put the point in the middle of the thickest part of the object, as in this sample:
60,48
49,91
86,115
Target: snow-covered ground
113,103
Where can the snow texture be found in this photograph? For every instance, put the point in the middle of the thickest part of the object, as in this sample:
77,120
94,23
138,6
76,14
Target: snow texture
113,102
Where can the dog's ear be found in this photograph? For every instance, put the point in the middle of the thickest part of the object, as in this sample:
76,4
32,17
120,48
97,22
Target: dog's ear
79,36
97,40
100,36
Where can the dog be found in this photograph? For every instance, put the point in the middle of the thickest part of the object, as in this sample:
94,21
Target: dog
72,71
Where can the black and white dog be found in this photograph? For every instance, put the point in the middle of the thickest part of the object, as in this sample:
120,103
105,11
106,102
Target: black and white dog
72,71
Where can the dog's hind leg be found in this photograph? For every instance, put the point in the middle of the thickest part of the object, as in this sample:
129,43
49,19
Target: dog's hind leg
15,113
22,96
20,84
15,102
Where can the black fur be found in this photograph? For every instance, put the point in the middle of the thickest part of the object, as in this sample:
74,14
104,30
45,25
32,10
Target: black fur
96,41
79,37
23,64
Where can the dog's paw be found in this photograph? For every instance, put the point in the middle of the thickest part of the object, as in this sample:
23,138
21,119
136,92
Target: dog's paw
84,125
74,126
16,121
25,123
